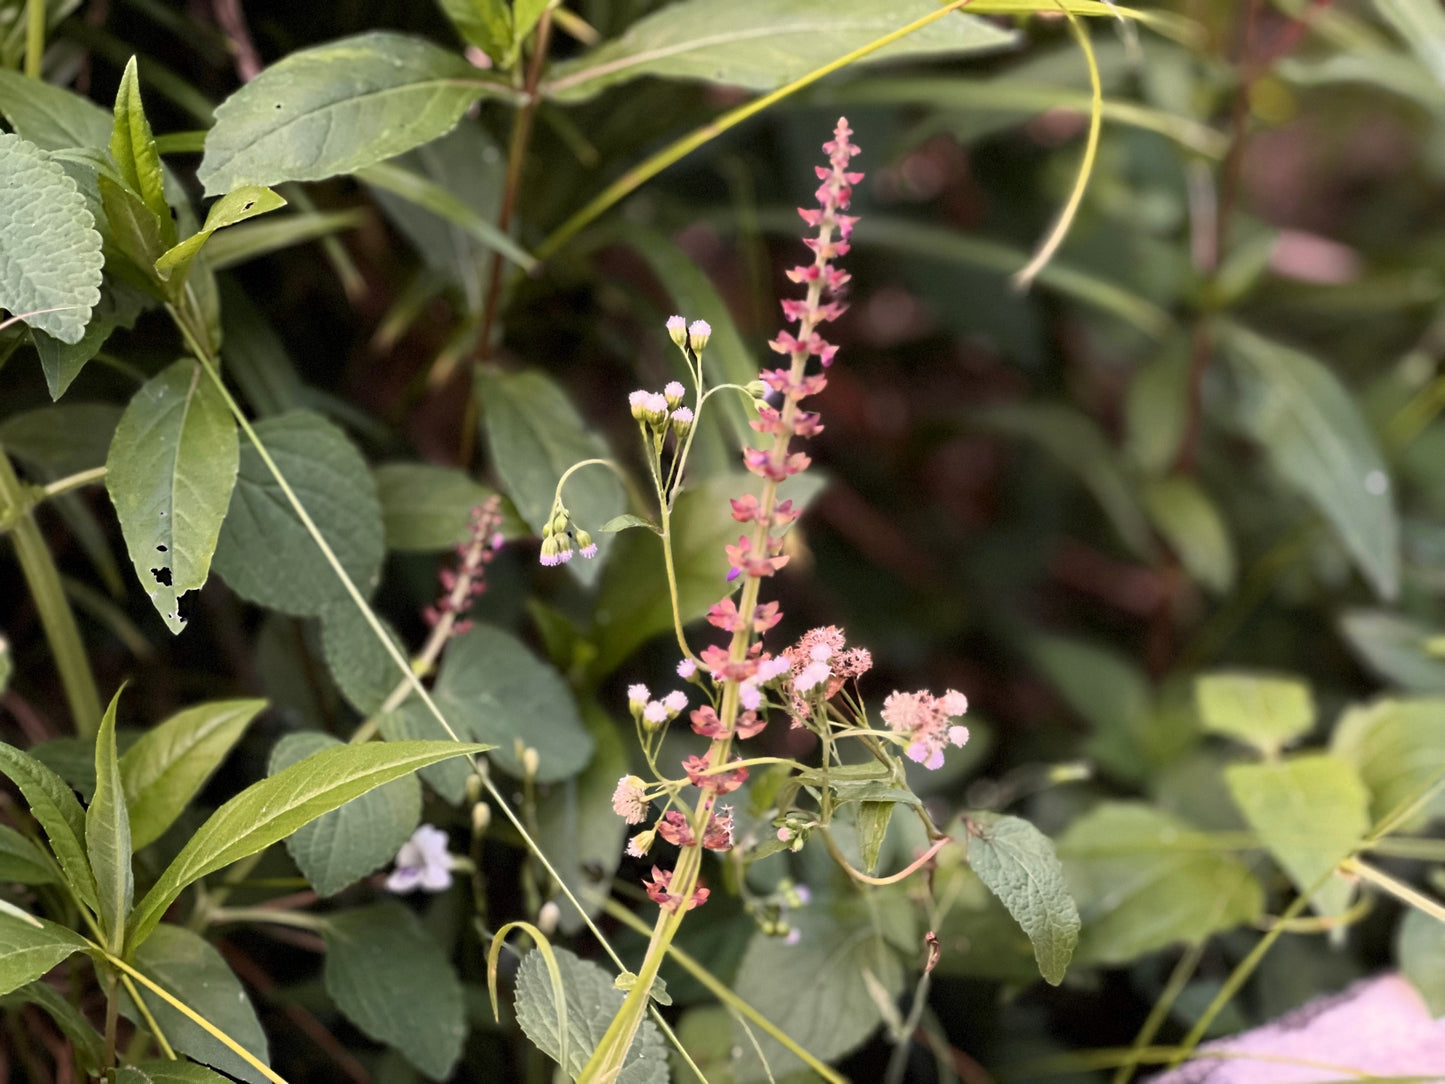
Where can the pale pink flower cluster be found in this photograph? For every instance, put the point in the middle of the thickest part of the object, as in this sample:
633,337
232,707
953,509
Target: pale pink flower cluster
629,800
927,721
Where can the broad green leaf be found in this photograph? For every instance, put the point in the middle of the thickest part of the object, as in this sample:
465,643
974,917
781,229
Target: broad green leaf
339,848
53,252
22,862
413,721
498,692
85,1041
29,947
487,24
814,990
53,804
265,553
161,1071
1391,645
1314,436
1263,710
170,472
62,439
1018,864
1191,524
427,508
360,665
1145,880
624,522
133,149
1311,813
170,763
1108,690
338,107
592,1002
189,968
1398,747
762,44
1420,953
391,979
272,809
52,117
107,834
534,435
235,206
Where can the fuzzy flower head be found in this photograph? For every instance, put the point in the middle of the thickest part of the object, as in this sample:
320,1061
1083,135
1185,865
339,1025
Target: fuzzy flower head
629,800
673,393
698,333
422,862
926,720
677,330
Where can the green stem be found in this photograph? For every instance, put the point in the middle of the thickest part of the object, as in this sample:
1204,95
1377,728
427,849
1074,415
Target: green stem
74,481
112,1017
218,916
56,618
34,38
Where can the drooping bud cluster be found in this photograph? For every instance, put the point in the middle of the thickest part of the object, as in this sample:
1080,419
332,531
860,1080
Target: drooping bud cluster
464,583
561,538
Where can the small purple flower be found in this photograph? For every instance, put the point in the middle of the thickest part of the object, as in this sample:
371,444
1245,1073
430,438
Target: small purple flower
422,862
674,391
589,551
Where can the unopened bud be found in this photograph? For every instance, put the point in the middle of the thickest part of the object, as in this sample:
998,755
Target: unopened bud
698,333
560,519
673,393
474,787
677,329
758,390
481,818
547,916
531,761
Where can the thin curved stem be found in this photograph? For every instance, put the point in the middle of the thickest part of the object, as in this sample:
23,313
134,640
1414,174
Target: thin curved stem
903,874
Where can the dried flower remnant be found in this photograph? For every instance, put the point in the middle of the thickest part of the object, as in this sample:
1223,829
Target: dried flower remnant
423,862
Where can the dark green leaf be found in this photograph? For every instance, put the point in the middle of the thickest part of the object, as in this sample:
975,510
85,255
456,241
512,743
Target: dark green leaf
53,804
63,439
362,668
427,508
85,1041
22,862
52,117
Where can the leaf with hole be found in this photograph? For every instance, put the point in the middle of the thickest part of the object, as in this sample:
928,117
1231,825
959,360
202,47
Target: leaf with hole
235,206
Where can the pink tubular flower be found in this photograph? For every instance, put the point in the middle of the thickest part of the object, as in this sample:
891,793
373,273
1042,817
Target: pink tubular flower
629,800
658,890
924,718
461,585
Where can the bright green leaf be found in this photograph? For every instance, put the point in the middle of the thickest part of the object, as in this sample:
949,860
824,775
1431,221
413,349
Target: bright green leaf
625,521
170,763
1191,524
133,149
135,234
487,24
1398,747
498,692
53,252
272,809
29,947
107,835
339,848
393,981
1263,710
53,804
235,206
427,508
339,107
1392,646
170,472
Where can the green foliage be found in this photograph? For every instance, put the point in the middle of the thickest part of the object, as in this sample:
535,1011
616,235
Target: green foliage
167,1072
52,803
1398,748
107,835
29,947
426,508
1265,711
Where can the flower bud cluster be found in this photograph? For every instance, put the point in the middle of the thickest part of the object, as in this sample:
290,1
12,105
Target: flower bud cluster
561,538
662,411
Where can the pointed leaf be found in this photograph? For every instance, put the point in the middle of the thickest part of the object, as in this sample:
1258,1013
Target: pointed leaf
1191,524
487,24
52,251
245,202
170,763
272,809
29,947
22,862
427,508
107,835
172,466
1262,710
1393,646
54,805
133,149
135,234
338,107
391,979
62,362
1017,863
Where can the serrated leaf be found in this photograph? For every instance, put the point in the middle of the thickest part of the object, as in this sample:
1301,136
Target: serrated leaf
53,804
190,968
1018,864
1391,645
534,434
53,251
499,692
427,508
624,521
21,861
592,1002
107,835
29,947
1263,710
85,1041
1144,880
133,149
1398,747
338,107
169,764
339,848
235,206
1313,434
52,117
265,553
170,473
272,809
161,1071
1311,813
763,44
1420,953
1191,524
393,981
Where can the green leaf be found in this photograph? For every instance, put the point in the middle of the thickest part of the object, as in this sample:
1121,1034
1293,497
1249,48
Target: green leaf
339,848
161,1071
272,809
52,117
393,981
107,834
85,1041
337,108
61,361
21,861
1262,710
133,149
170,472
625,521
265,553
359,663
1315,437
763,44
29,947
1398,747
1018,864
1420,952
191,969
1145,880
1311,812
63,439
169,764
592,1002
1389,644
1157,409
53,252
1191,524
487,24
525,15
872,829
53,804
6,665
1421,25
1107,689
534,434
413,721
427,509
135,235
496,691
235,206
